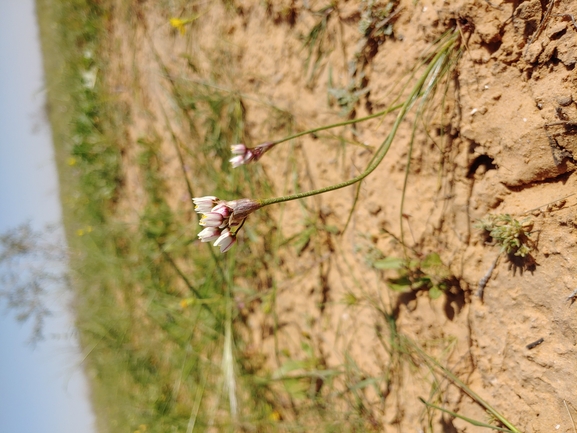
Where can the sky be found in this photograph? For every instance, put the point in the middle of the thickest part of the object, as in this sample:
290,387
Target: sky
42,388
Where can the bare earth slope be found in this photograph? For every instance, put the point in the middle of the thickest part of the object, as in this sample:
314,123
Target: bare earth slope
500,142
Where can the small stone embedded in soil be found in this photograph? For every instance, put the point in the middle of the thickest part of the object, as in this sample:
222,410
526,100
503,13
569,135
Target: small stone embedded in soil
535,343
565,101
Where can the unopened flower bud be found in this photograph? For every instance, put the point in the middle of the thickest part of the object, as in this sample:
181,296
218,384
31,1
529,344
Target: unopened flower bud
241,209
244,154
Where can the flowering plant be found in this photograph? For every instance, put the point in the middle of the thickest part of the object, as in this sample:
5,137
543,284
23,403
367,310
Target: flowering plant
222,219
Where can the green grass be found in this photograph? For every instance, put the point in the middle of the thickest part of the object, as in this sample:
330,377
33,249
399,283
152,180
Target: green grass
155,324
162,319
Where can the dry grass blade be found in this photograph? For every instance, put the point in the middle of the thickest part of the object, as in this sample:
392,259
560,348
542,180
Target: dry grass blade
464,418
570,416
434,364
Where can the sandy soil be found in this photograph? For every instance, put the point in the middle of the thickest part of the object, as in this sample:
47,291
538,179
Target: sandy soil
515,77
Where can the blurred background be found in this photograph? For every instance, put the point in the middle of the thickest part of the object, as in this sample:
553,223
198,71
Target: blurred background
42,382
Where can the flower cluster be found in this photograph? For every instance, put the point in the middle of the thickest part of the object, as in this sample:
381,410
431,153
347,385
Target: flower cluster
220,217
244,154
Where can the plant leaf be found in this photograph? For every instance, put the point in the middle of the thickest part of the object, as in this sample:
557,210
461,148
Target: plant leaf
399,284
435,292
389,263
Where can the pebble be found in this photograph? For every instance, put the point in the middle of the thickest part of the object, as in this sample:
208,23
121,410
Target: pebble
564,101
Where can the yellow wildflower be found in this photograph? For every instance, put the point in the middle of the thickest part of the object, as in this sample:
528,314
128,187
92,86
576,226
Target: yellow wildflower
179,24
186,302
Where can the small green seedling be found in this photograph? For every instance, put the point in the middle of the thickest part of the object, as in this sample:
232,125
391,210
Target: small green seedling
510,234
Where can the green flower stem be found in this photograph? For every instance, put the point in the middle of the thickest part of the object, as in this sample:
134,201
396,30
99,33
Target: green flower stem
440,56
336,125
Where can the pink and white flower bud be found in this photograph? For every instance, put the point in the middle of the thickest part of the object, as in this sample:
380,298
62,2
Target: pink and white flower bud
244,154
237,161
222,208
225,241
212,219
209,234
204,204
238,149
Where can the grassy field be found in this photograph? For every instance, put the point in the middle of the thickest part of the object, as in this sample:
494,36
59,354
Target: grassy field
162,318
155,314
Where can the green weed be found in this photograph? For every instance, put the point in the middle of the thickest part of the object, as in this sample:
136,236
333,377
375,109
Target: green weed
512,235
345,97
317,43
428,273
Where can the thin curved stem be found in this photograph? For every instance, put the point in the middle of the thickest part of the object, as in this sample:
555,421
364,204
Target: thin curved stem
385,146
336,125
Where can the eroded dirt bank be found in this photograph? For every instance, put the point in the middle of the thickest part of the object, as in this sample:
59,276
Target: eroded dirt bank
501,141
